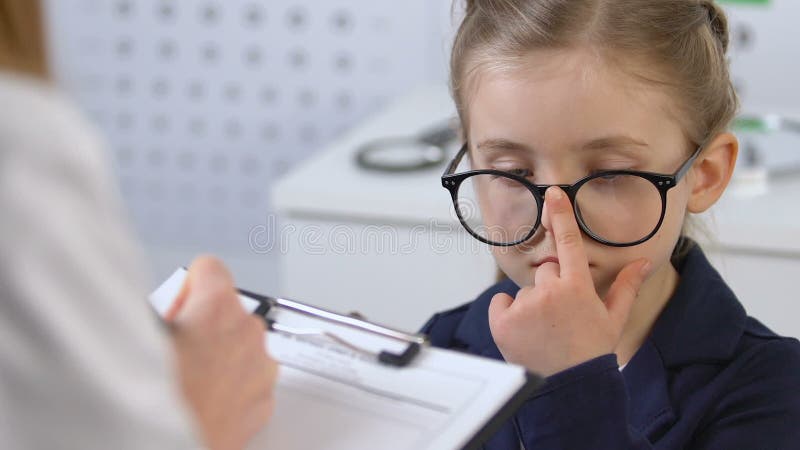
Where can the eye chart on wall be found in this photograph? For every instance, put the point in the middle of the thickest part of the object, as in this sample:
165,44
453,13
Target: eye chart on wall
204,103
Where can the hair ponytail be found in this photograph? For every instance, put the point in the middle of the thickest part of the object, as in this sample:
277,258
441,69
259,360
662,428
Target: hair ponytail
718,22
470,5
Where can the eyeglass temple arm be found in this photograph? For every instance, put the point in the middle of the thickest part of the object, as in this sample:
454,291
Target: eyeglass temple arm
687,165
451,168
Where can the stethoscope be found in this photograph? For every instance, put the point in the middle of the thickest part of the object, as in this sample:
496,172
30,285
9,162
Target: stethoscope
408,153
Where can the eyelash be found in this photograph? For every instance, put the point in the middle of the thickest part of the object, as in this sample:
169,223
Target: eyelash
596,171
520,172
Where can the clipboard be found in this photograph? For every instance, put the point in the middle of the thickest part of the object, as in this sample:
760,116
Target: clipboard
268,304
358,384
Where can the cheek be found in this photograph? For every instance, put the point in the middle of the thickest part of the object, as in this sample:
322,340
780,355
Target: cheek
658,249
613,260
675,214
607,262
604,263
513,263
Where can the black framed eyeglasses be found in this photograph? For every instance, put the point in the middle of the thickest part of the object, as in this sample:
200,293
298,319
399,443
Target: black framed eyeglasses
619,208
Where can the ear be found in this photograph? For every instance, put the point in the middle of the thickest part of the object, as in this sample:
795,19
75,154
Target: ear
712,171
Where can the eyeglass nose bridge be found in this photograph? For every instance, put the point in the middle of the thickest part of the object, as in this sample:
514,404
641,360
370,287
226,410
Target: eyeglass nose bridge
569,189
539,190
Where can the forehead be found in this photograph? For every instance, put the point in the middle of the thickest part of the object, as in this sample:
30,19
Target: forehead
562,98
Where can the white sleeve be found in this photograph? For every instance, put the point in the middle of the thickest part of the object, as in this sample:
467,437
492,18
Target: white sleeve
83,361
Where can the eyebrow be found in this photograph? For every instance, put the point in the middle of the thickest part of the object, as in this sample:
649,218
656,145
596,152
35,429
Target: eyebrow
501,144
613,142
609,142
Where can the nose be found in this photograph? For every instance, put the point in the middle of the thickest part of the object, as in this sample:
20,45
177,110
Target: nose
546,225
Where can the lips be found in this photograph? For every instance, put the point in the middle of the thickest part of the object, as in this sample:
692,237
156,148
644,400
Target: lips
548,259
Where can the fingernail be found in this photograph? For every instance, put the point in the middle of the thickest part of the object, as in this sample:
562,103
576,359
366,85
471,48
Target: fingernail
555,193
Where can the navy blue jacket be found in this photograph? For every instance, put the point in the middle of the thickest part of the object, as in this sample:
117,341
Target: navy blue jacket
708,377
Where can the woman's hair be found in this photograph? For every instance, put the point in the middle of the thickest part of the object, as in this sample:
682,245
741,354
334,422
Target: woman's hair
22,38
677,45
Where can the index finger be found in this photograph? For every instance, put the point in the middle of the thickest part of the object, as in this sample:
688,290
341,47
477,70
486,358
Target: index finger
569,242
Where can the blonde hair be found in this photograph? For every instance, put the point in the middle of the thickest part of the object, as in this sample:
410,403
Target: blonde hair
22,38
679,45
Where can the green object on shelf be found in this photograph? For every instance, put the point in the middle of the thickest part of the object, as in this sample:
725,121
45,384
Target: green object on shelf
750,125
747,2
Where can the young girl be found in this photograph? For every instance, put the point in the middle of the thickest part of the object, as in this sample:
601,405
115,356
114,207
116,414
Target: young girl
593,128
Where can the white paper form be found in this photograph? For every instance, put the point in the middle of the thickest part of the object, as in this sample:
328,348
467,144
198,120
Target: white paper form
331,397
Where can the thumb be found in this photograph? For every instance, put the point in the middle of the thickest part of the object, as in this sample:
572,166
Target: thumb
208,283
498,306
624,290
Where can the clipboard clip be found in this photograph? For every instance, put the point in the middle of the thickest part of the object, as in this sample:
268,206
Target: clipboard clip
414,341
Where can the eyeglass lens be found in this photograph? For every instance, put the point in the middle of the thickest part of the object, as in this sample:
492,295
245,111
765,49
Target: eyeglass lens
620,209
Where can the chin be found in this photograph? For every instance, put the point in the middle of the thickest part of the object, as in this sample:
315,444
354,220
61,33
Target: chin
521,281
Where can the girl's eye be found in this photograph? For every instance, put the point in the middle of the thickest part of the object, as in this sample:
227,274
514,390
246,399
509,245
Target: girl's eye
608,176
524,173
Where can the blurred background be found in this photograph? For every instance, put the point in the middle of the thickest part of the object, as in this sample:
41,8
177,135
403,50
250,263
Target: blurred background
233,128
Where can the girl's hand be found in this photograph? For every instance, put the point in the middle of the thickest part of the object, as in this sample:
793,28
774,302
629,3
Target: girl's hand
561,322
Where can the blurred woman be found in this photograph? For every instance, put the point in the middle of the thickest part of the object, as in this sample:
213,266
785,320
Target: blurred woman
83,361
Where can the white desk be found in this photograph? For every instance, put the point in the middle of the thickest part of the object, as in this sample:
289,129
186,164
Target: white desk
388,246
